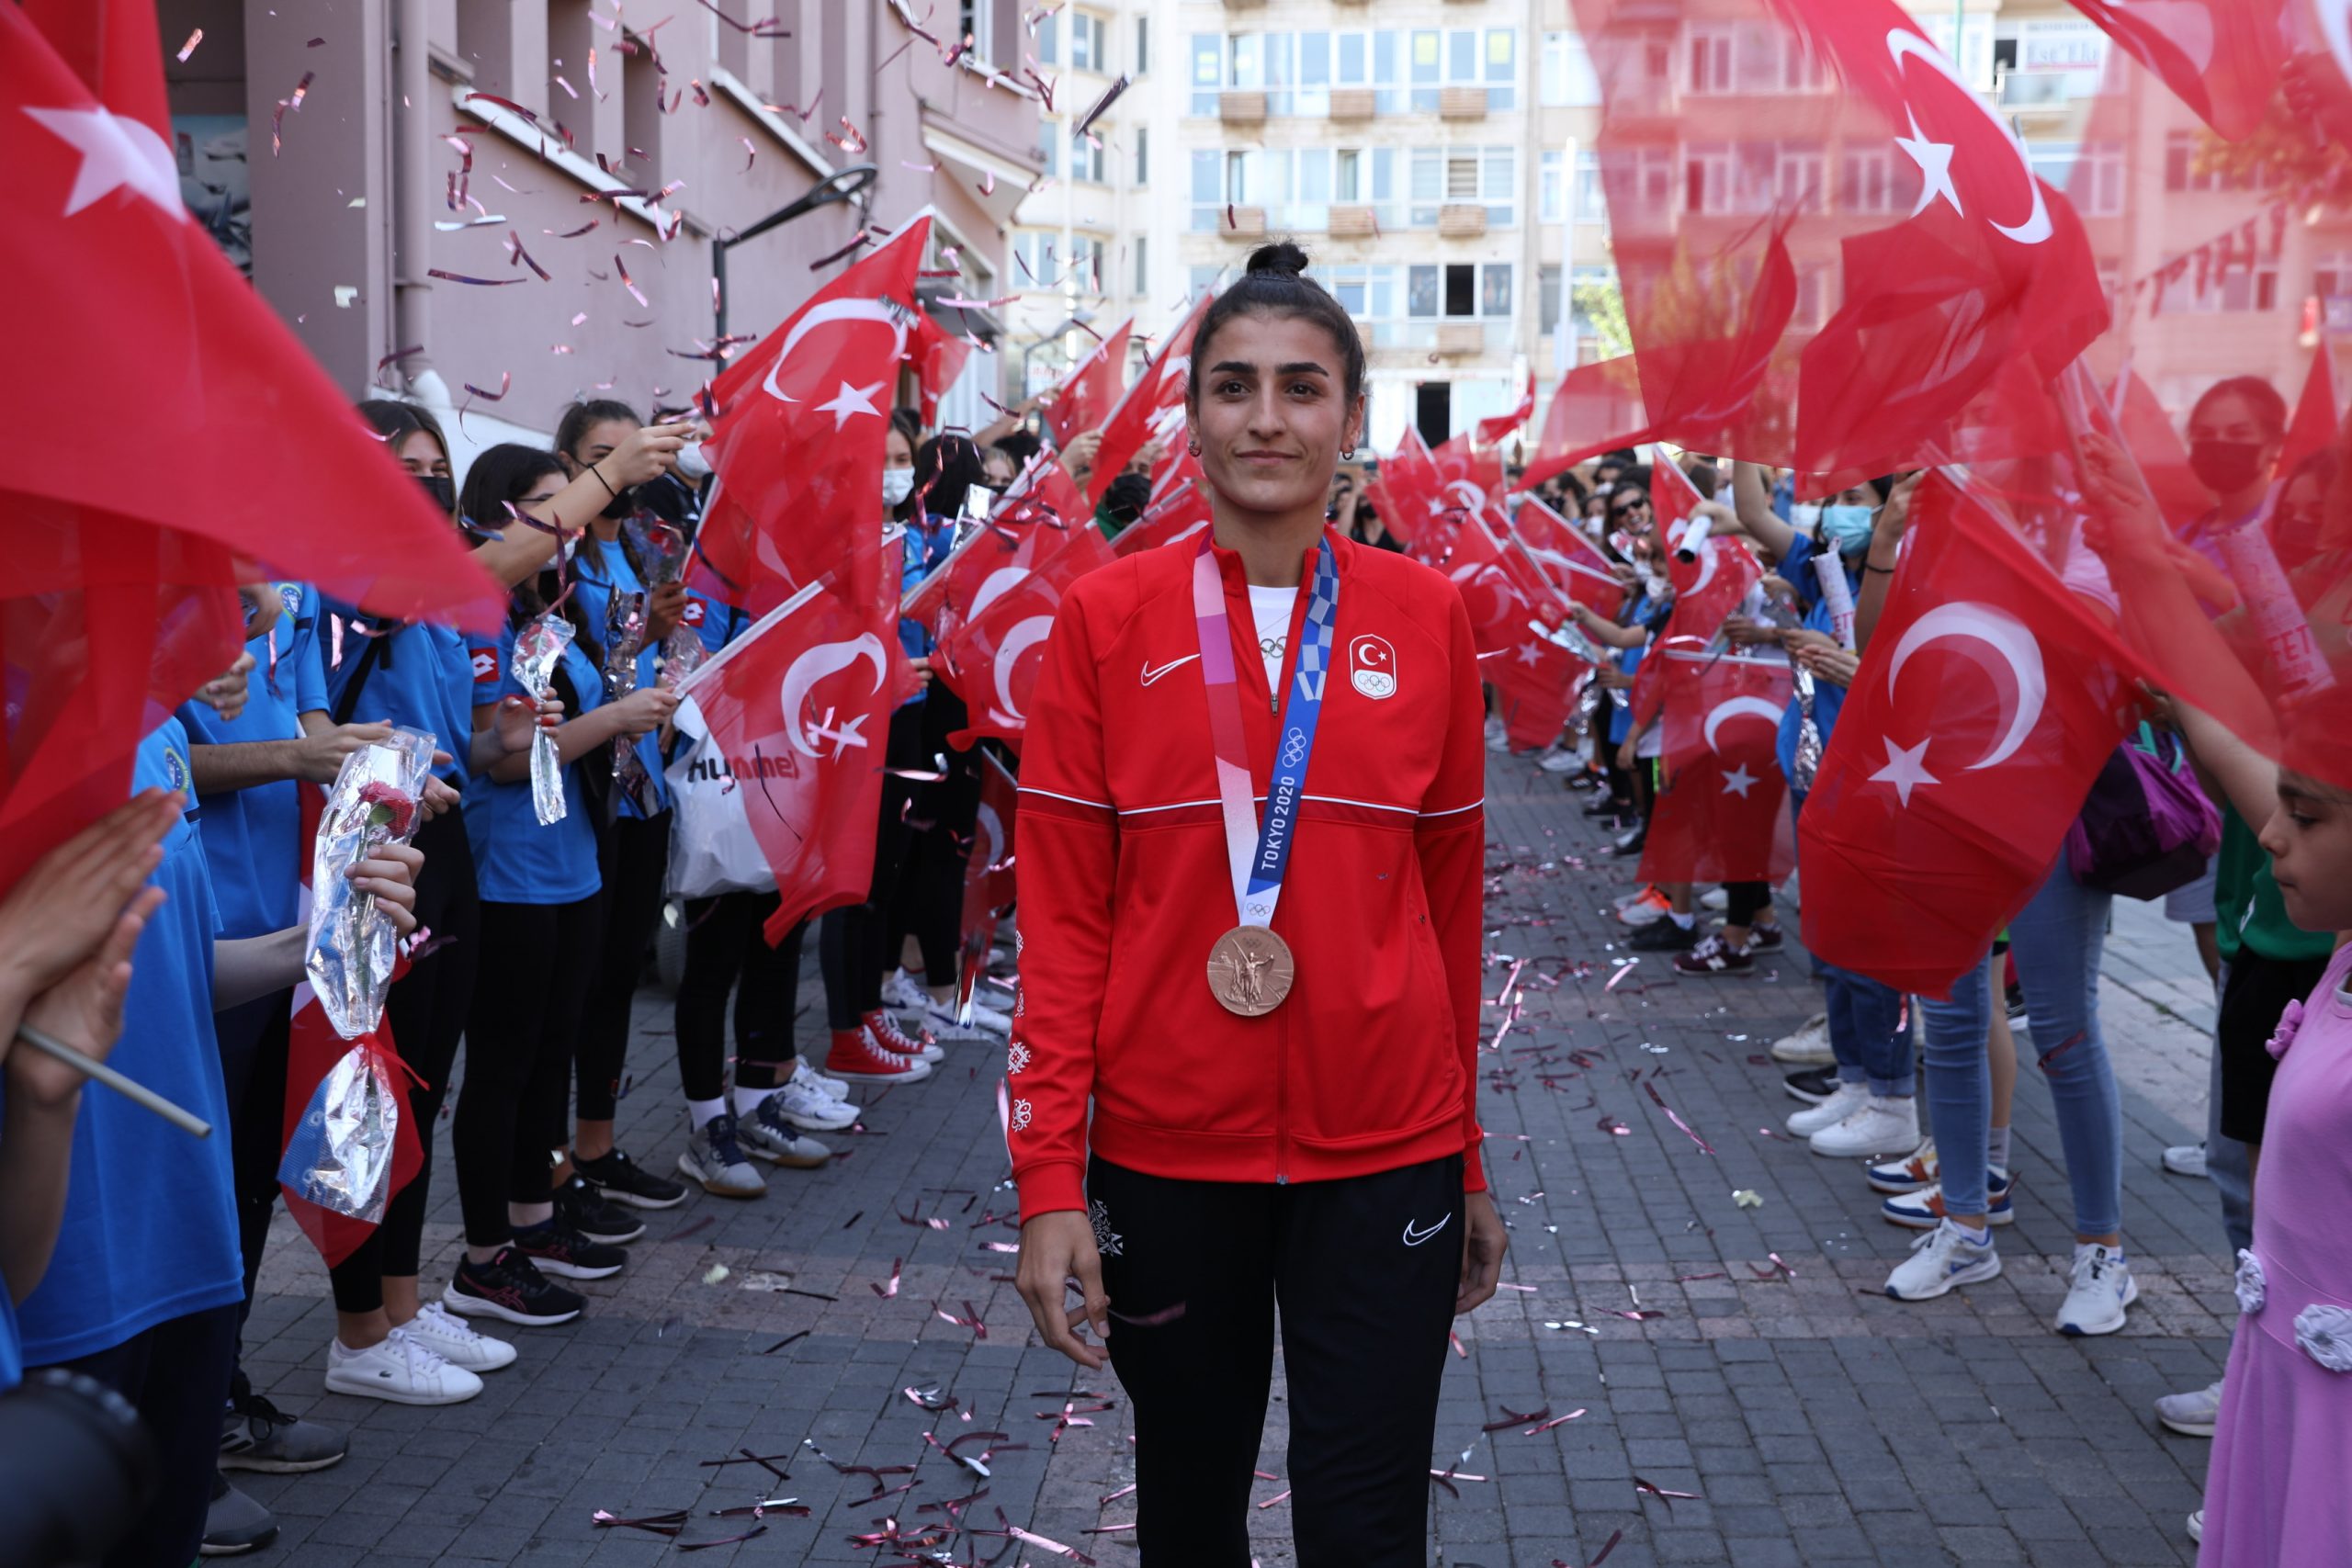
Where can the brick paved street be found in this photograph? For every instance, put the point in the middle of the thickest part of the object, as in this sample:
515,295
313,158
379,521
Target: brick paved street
1793,1414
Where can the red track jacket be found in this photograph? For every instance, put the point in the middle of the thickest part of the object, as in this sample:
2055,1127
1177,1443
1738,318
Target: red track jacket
1371,1062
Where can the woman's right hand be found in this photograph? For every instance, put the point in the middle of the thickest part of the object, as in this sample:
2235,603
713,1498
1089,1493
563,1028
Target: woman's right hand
644,454
645,710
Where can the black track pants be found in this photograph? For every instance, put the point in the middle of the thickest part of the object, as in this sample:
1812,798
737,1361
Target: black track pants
1364,1271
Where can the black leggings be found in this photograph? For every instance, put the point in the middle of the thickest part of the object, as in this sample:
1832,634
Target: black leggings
1745,900
176,1375
634,855
535,969
725,945
254,1052
426,1013
853,941
1364,1270
929,904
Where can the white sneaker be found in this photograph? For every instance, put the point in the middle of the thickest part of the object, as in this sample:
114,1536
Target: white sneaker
1880,1126
453,1339
809,1078
2102,1288
2196,1525
1809,1046
2194,1414
1848,1099
1560,760
1498,738
399,1370
812,1109
2186,1159
1714,898
1908,1175
1946,1257
900,989
945,1021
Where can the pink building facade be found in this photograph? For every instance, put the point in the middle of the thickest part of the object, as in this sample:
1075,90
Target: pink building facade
327,142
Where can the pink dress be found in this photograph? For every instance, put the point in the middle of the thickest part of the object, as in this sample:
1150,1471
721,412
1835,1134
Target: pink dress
2279,1490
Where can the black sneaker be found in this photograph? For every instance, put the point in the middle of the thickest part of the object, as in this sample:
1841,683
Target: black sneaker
510,1286
1764,938
1662,935
1606,805
555,1249
2015,997
1630,841
582,1207
1813,1086
622,1180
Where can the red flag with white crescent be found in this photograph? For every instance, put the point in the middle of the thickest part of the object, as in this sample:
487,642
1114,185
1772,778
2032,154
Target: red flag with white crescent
992,661
1036,517
1151,409
1723,814
1990,695
1087,394
798,434
1573,563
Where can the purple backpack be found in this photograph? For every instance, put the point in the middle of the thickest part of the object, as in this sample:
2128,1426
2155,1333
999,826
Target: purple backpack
2146,828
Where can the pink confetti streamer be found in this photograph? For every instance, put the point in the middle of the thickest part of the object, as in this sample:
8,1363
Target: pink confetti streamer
1651,1088
1555,1421
189,47
635,292
892,1290
479,282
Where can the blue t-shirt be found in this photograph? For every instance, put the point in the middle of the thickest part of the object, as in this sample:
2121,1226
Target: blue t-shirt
151,1222
517,858
925,547
716,622
594,583
252,838
12,1345
421,678
1796,570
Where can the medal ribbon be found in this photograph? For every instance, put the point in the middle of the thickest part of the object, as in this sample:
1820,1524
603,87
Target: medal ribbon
1260,852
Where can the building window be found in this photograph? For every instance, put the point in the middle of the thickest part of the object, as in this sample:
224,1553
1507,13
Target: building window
1547,297
1470,176
1375,296
1799,177
1086,158
1313,96
1049,38
2091,176
1143,154
1199,280
1568,78
1369,60
1143,265
2234,287
2182,172
976,19
1548,184
1750,58
1590,200
1463,57
1143,45
1039,251
1494,288
1208,70
1866,177
1501,69
1590,290
1086,50
1366,176
1208,190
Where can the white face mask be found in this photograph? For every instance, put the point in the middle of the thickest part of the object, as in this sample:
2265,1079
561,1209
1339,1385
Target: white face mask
1803,516
692,465
897,485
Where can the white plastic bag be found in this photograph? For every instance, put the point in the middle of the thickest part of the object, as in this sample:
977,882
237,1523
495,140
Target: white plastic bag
712,847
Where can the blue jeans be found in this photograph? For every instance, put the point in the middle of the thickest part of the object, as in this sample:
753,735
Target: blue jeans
2056,942
2225,1158
1868,1034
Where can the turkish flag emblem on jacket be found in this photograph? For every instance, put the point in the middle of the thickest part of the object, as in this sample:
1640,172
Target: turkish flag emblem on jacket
1723,814
1989,697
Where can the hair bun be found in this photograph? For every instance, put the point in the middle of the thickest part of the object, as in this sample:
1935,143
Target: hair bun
1278,259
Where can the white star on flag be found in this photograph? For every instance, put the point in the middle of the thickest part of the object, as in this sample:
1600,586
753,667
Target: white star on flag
1904,769
852,401
118,153
1531,653
1739,781
1934,159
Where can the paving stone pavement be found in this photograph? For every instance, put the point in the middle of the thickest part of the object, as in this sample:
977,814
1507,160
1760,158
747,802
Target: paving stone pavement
1767,1408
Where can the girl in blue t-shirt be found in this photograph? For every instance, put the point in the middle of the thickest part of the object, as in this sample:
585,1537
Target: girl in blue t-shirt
635,851
541,927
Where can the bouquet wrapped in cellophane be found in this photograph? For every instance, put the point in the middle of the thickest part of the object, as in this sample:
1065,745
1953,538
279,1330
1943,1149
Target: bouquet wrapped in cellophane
624,639
339,1154
538,649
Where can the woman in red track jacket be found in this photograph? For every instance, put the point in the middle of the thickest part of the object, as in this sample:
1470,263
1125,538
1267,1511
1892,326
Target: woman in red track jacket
1282,1082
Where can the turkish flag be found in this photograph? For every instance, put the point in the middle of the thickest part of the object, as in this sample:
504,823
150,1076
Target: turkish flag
1990,696
799,432
2219,57
178,437
938,356
1596,408
991,659
1722,570
1887,195
1505,592
2313,430
988,871
801,708
1465,475
1723,814
1493,430
1151,409
1179,516
1573,562
1033,519
1087,394
1405,492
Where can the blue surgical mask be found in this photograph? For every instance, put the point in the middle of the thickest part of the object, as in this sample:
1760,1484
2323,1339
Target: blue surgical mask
1846,527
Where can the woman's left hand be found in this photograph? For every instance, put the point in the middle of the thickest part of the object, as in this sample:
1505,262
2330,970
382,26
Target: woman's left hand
1484,1242
390,874
663,608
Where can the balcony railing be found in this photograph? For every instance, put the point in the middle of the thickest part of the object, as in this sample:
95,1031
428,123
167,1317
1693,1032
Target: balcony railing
1241,107
1461,103
1354,103
1461,221
1353,223
1248,223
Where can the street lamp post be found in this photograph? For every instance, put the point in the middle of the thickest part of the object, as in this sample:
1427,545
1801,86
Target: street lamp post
842,185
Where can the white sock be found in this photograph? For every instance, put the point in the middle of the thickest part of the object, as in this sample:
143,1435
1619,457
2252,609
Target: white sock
1996,1148
748,1100
1980,1234
1681,919
701,1112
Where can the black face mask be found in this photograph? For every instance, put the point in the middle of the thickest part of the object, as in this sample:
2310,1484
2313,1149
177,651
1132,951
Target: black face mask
442,489
2224,467
621,505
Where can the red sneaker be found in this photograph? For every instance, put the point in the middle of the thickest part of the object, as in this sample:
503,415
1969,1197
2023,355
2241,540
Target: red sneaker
856,1058
889,1034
